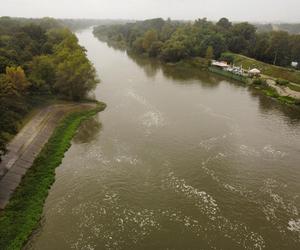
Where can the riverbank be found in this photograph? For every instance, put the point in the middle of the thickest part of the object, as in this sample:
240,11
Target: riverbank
23,212
266,84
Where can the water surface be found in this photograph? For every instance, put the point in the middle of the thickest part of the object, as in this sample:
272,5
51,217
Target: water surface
180,159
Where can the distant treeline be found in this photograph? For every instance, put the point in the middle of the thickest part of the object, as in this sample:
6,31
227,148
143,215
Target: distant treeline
79,24
38,58
173,41
293,28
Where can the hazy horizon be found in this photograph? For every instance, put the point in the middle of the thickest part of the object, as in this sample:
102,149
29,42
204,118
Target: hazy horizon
235,10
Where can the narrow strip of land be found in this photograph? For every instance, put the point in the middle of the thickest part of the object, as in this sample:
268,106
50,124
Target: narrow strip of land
27,144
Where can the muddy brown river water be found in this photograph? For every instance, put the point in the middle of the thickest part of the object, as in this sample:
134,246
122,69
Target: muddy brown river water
180,159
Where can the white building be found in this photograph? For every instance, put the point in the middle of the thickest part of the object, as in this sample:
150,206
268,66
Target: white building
294,64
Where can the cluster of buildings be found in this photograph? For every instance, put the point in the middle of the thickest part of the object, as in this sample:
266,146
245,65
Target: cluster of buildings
235,69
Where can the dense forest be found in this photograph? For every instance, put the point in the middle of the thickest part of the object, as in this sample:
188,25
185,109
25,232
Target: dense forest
38,59
173,41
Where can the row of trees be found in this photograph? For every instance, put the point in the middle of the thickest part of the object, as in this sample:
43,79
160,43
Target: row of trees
38,58
173,41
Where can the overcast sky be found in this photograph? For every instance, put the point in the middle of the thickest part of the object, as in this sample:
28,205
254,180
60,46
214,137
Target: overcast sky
249,10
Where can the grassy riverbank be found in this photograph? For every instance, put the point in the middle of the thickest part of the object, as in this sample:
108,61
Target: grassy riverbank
23,213
291,75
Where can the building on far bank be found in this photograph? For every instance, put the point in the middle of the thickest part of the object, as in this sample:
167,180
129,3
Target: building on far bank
294,64
254,72
220,65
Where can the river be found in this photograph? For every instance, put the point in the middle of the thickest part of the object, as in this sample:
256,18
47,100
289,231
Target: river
180,159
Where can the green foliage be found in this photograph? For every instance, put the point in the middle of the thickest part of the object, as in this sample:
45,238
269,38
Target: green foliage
259,81
75,75
209,54
149,38
282,82
23,213
287,100
227,57
267,69
42,74
38,57
181,40
294,87
271,92
155,48
174,51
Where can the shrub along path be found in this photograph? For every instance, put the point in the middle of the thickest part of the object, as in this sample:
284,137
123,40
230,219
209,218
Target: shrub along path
28,143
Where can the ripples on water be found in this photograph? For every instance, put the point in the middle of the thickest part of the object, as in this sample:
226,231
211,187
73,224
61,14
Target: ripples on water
158,174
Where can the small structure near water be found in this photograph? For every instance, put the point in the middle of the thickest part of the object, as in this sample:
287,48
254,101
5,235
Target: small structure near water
294,64
254,72
220,65
236,70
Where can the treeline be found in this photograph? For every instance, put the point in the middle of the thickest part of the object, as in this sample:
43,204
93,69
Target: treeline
79,24
293,28
173,41
38,58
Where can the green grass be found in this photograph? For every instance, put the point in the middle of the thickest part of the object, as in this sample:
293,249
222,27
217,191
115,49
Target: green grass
23,213
287,100
294,87
269,91
267,69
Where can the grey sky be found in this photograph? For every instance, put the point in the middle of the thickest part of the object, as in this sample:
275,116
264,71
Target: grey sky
250,10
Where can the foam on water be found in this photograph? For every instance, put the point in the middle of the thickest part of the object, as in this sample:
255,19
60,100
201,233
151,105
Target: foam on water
137,97
152,119
126,159
275,208
269,150
210,111
207,205
112,223
294,225
249,151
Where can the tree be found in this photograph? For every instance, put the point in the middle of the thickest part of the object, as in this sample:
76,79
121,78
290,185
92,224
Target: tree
174,51
16,76
155,48
149,38
224,23
278,48
260,50
209,54
295,48
216,41
242,38
75,76
42,73
138,45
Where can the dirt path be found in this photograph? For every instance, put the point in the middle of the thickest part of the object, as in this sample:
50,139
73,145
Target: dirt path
28,143
283,90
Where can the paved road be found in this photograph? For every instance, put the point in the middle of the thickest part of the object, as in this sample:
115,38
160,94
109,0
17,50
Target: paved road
27,144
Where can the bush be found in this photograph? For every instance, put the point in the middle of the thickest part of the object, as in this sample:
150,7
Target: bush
282,82
297,102
227,57
259,81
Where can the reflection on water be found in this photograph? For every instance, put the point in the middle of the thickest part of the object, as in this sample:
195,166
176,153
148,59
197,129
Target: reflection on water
88,131
182,74
187,160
